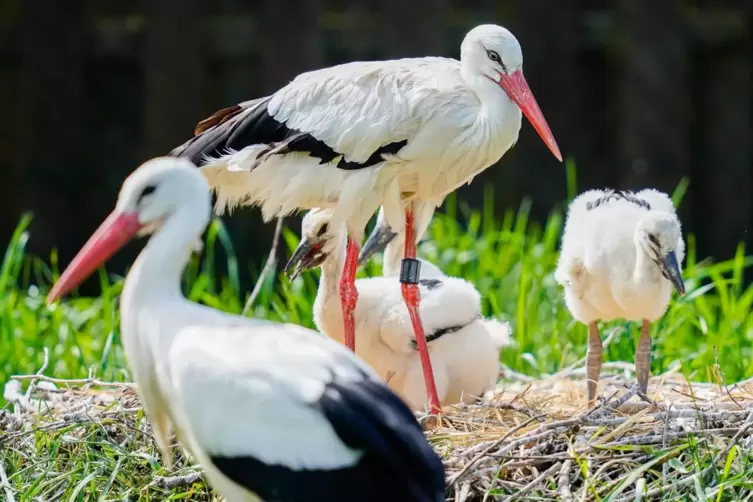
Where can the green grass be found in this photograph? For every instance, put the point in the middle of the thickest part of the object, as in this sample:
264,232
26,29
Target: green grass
509,259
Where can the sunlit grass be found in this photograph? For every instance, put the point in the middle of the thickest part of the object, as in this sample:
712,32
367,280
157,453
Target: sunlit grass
509,259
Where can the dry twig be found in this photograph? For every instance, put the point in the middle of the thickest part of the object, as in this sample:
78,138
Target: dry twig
170,482
481,455
533,484
564,481
86,382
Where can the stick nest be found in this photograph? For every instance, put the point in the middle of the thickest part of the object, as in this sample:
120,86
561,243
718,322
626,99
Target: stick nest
538,440
527,439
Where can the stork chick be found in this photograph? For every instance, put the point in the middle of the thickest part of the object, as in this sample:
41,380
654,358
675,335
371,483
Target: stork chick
271,411
620,258
464,347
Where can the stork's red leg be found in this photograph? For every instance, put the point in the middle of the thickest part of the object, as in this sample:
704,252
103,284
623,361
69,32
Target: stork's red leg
409,275
349,293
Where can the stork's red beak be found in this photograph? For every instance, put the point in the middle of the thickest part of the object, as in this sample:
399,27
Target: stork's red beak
111,235
517,88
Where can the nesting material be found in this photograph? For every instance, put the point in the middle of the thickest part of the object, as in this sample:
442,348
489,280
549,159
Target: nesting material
528,440
537,440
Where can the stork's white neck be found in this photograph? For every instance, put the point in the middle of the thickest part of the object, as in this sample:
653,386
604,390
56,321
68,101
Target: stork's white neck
498,110
393,255
327,312
332,269
156,274
495,129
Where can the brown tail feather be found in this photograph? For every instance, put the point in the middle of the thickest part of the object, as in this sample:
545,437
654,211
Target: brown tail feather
217,117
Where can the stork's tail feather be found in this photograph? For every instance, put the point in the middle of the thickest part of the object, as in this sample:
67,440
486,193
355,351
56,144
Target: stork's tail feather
217,118
500,332
280,148
237,185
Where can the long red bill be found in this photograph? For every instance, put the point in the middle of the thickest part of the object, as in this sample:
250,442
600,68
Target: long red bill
517,88
111,235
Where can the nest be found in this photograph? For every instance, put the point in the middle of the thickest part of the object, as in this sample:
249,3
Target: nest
539,440
527,439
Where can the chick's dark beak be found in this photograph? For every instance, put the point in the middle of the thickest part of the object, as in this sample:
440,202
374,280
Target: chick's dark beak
306,256
377,241
671,270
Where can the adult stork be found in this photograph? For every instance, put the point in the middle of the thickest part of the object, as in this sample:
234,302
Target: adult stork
361,134
271,411
620,259
464,346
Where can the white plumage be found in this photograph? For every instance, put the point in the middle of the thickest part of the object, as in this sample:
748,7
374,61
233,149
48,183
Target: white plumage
464,347
620,258
361,134
319,141
271,411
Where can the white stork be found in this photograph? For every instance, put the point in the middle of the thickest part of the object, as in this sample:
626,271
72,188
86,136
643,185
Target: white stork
361,134
464,347
271,411
620,258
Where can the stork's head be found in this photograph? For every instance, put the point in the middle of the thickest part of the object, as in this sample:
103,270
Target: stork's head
161,186
149,196
493,53
659,235
319,240
492,49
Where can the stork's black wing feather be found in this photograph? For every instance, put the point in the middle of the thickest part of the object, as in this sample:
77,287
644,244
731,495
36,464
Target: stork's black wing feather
612,194
397,462
235,128
368,416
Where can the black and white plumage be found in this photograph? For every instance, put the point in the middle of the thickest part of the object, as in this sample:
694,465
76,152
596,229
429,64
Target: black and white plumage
464,346
252,122
271,411
359,135
621,257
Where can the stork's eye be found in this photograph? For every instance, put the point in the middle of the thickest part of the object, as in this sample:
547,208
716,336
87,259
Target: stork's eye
494,56
322,230
148,190
654,240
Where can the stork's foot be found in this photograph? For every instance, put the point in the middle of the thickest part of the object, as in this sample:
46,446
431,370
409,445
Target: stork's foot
349,294
643,357
593,361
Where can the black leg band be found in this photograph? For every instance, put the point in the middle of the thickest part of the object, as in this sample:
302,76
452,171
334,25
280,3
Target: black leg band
410,271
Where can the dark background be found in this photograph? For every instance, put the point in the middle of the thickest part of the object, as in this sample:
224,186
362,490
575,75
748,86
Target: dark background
640,93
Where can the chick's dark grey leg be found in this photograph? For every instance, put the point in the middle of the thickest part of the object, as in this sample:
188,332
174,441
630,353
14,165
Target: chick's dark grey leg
593,360
643,356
